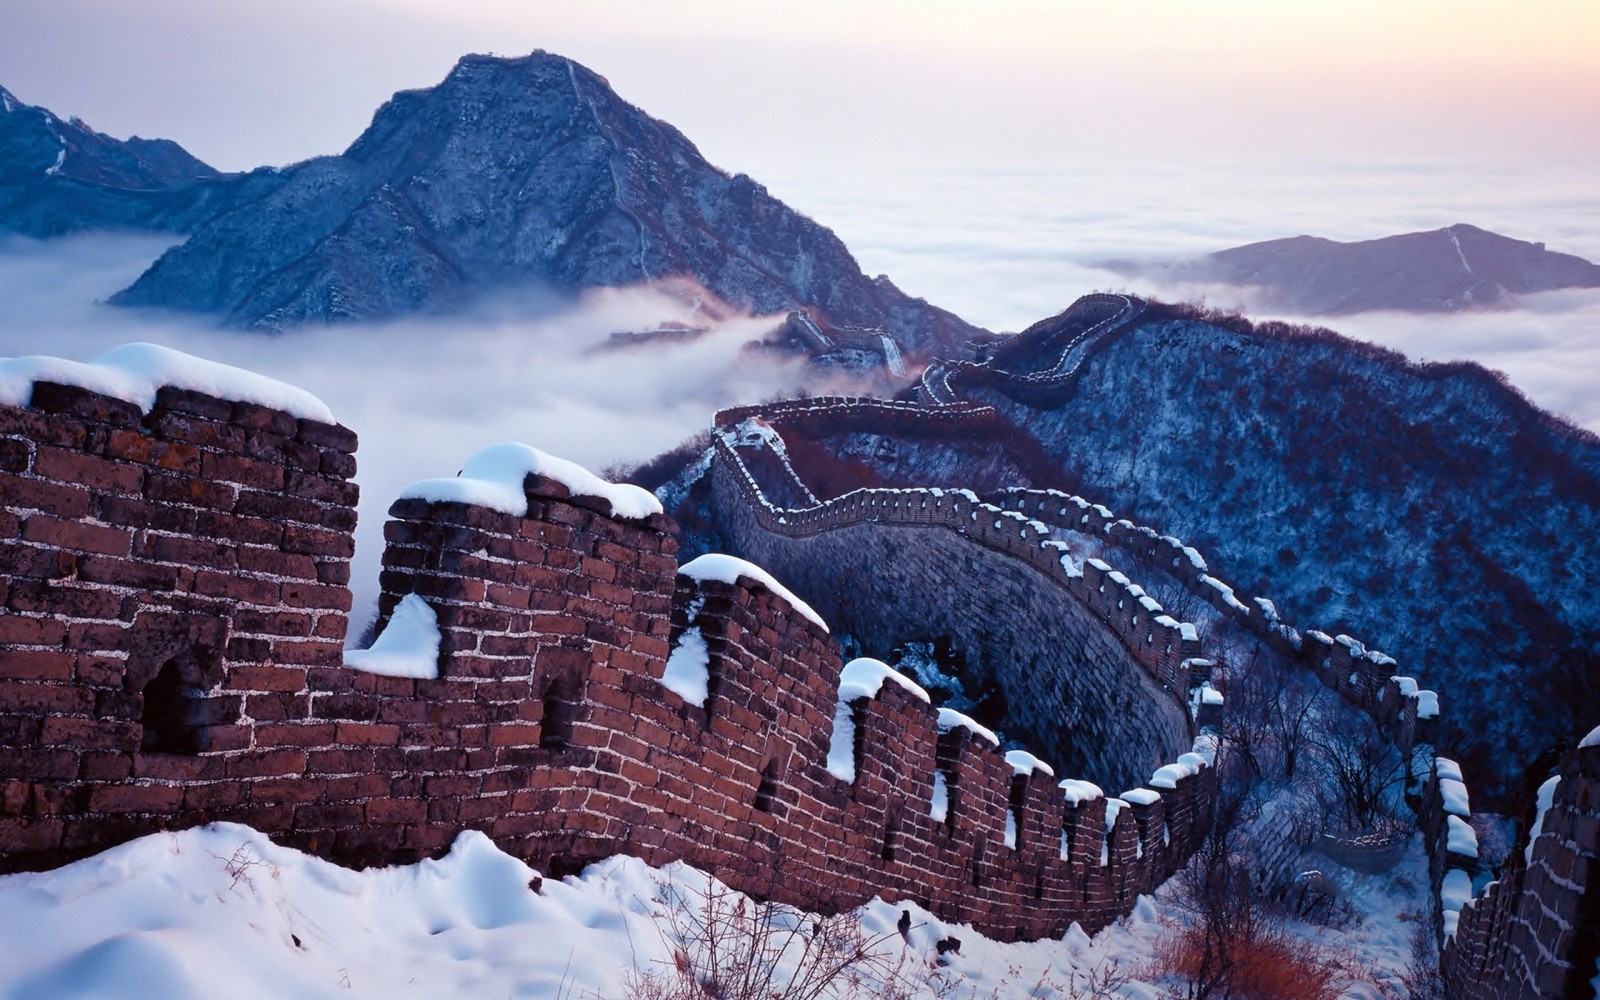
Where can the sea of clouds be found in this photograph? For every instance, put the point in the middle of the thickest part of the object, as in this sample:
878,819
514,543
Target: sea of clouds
1001,248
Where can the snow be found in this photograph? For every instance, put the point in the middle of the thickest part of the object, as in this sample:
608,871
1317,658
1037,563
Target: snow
1454,893
1141,796
1169,775
134,373
950,719
1408,686
939,804
1460,839
1427,704
1210,695
688,671
1444,767
1225,591
55,168
1023,762
1009,838
1322,637
1206,746
1114,809
1592,740
408,645
863,677
493,478
1546,799
842,746
728,569
1076,791
166,917
1454,794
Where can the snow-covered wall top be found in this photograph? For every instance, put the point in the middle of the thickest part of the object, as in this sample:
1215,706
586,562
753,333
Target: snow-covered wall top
135,373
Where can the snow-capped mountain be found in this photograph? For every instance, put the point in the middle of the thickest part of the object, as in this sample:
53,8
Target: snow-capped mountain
1443,270
514,172
63,176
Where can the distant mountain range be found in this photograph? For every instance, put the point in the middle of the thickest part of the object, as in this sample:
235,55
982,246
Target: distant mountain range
511,172
1443,270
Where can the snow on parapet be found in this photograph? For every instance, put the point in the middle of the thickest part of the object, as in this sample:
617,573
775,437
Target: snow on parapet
134,373
1592,740
408,645
1225,592
728,569
1454,793
1023,763
1076,791
1461,838
1141,796
1427,705
493,478
863,677
1454,893
950,719
1546,799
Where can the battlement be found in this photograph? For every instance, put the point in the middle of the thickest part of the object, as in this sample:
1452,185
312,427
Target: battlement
175,591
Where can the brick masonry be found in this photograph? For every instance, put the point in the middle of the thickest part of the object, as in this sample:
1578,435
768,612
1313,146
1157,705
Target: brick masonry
176,600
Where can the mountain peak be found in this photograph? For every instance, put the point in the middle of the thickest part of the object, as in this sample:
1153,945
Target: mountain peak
515,171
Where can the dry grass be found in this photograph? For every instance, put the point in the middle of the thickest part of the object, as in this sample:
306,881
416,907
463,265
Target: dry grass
1266,964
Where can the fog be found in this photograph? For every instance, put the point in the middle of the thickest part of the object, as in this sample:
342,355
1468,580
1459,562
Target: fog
1001,247
425,394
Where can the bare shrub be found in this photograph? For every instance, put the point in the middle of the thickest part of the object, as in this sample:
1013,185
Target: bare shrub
726,946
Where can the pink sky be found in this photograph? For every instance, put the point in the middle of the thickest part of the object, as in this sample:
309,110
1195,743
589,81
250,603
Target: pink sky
758,84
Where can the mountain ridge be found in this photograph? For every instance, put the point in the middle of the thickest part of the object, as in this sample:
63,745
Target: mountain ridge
1454,268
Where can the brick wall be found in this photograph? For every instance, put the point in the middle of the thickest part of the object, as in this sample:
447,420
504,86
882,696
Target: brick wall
1536,932
176,601
200,551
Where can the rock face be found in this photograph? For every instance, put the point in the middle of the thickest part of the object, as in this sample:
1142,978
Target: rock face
1459,267
62,176
527,171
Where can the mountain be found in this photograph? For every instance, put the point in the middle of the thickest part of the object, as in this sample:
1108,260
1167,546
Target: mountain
1444,270
511,172
62,176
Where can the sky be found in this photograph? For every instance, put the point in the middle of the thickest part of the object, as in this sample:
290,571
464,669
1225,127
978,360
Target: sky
986,154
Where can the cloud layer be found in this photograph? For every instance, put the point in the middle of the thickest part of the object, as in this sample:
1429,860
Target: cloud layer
426,394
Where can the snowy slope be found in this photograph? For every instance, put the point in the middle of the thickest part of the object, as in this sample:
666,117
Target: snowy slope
223,912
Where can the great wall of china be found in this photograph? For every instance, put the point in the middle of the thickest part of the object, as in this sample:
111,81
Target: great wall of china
174,579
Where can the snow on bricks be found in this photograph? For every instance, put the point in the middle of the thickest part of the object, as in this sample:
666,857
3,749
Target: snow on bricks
174,573
1536,931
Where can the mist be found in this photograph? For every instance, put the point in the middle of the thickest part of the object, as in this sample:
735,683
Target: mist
425,394
1001,248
